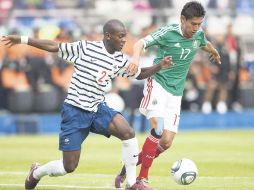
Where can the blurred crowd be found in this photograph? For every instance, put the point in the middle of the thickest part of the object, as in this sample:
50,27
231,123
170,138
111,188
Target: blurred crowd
36,81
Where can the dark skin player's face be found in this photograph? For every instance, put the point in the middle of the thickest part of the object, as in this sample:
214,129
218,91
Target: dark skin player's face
190,26
116,39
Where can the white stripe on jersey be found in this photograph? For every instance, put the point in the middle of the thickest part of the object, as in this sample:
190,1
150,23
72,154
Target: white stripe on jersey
164,30
158,33
94,68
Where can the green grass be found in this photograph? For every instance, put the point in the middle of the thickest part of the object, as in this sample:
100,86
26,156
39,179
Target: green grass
225,160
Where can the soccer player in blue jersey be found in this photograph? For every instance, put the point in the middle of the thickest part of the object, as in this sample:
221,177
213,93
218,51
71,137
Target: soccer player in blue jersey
96,63
163,91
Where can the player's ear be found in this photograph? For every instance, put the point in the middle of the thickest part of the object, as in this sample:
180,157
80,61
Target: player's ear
107,36
183,19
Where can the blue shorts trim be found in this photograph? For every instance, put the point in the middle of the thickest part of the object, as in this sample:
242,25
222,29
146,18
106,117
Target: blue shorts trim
78,123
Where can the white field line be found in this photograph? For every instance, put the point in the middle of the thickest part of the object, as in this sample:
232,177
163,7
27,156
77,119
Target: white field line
58,186
61,186
25,173
19,173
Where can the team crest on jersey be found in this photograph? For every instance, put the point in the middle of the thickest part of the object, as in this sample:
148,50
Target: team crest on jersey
177,45
195,44
93,60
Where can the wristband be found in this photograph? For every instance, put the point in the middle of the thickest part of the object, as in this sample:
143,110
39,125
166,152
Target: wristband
24,39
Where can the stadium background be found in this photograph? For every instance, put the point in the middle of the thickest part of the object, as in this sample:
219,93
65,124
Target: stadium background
33,85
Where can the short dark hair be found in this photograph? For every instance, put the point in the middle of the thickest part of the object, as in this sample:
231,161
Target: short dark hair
111,25
193,9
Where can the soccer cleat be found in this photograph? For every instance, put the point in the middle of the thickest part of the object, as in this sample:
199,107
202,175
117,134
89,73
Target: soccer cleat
139,185
119,180
144,181
31,182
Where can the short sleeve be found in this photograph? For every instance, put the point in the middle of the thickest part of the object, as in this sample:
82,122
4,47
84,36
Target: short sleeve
155,37
70,51
149,41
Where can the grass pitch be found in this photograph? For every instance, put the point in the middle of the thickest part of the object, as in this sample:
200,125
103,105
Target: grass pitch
225,160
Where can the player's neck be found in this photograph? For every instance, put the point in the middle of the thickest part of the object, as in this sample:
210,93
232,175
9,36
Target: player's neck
183,33
108,47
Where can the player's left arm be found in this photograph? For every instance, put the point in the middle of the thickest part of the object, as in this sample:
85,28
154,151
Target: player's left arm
47,45
214,55
149,71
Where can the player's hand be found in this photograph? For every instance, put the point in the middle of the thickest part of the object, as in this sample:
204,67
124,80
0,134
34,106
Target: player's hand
11,40
166,62
132,68
215,57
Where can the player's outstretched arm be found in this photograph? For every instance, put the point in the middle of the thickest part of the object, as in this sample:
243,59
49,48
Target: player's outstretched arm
149,71
47,45
137,51
214,55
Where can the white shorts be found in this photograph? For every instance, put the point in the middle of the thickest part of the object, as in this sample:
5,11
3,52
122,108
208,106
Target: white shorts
157,102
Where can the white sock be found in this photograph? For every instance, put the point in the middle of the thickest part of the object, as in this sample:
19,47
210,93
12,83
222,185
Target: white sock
130,159
53,168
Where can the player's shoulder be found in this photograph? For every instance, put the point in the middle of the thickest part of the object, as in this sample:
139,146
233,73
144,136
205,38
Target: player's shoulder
93,43
170,27
174,26
166,31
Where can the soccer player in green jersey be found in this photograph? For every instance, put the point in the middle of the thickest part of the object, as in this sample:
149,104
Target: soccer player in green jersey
163,92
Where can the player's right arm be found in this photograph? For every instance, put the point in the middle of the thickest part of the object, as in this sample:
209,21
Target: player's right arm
150,40
137,52
47,45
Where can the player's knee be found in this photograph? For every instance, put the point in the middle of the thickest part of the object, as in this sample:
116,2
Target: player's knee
70,167
157,125
129,134
166,144
153,122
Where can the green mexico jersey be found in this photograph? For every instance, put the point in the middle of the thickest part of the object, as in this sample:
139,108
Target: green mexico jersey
170,42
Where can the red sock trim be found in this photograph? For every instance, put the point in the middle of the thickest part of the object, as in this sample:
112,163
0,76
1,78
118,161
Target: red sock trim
154,139
159,150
